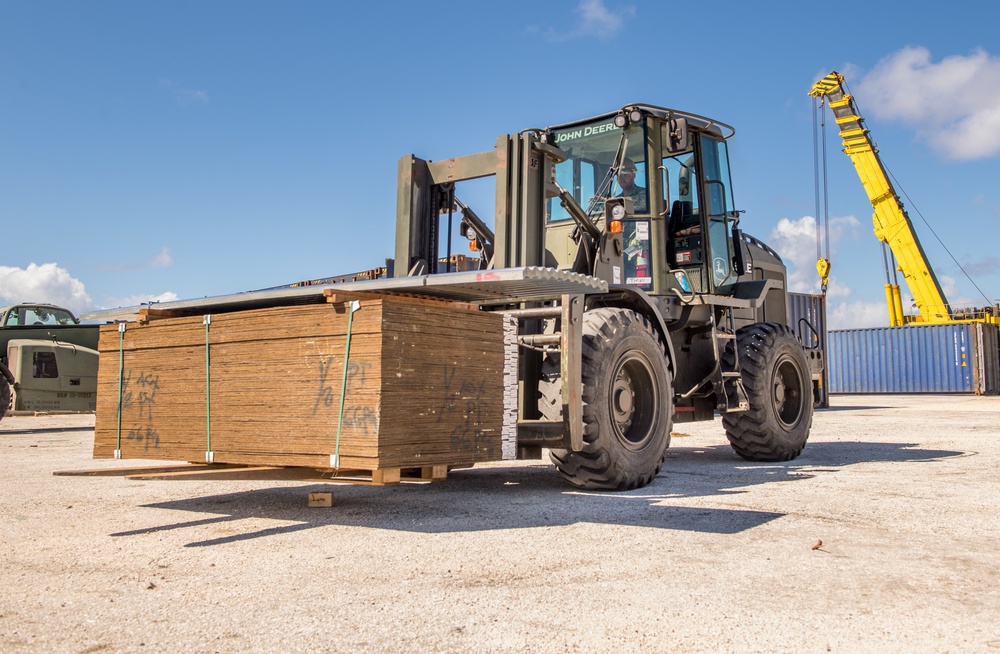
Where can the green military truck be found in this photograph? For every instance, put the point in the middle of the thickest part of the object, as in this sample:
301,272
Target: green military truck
48,360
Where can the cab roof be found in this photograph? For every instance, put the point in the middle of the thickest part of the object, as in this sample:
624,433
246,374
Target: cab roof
700,123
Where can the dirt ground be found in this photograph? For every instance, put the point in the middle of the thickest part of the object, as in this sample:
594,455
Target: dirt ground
883,536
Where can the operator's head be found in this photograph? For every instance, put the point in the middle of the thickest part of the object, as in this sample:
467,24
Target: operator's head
626,175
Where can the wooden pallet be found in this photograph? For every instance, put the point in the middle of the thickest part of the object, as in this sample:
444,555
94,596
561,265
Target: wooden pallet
201,472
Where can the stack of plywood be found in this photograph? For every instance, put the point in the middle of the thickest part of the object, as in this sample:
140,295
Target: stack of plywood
423,386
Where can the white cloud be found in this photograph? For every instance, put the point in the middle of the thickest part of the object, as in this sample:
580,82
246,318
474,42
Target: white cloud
988,265
856,315
184,96
45,283
834,289
52,284
595,20
796,241
136,300
162,259
954,104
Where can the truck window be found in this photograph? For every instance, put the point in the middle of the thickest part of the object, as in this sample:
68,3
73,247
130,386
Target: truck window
44,365
48,316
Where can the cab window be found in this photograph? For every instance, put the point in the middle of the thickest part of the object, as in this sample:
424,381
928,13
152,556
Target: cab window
680,186
720,211
589,172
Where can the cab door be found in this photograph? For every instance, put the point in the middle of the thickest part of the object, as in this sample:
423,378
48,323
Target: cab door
721,217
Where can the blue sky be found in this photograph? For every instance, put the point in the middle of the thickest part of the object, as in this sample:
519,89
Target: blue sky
176,150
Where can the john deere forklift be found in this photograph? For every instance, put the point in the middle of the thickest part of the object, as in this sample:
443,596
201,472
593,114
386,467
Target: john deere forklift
639,301
631,297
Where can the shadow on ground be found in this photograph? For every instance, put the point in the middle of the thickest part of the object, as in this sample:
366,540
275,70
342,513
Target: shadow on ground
498,498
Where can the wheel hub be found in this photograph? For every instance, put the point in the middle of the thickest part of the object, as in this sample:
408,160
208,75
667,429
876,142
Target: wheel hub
788,400
623,400
634,401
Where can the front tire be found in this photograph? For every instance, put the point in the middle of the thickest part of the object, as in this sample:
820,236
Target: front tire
627,404
5,397
779,388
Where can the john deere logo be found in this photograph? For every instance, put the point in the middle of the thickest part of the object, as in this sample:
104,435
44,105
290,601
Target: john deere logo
720,268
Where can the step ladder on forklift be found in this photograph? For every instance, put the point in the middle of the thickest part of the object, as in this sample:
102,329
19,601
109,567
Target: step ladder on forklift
729,391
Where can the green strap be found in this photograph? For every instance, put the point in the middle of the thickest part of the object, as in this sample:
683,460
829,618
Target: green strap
209,454
335,457
121,376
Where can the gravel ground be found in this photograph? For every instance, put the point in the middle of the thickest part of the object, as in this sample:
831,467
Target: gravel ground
716,555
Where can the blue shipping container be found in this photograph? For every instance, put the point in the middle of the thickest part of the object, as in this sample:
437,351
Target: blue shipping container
954,358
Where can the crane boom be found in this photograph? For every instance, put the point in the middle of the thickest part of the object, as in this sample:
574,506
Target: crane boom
892,224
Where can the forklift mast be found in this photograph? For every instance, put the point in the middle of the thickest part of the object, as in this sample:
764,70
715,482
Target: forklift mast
520,163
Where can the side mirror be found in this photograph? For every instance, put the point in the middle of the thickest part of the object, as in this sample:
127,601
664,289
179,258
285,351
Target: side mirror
739,254
675,135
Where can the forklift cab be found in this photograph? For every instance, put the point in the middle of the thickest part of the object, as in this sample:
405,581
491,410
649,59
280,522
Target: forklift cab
682,232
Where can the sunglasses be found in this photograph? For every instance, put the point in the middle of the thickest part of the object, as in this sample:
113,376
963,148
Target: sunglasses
628,171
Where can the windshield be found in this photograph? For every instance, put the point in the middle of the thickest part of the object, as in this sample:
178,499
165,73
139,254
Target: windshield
38,315
603,161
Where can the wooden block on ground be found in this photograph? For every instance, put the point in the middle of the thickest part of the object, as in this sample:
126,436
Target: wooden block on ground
434,473
385,476
320,500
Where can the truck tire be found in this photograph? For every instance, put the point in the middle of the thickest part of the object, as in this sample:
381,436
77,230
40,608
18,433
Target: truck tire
627,404
779,389
5,397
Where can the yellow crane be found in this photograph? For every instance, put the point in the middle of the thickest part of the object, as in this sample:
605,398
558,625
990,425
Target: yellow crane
892,224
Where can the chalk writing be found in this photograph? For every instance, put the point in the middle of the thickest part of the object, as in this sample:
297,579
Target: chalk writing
148,385
361,418
125,397
356,377
325,393
357,373
146,435
141,390
462,402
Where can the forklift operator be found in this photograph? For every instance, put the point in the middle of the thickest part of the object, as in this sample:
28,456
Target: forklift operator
626,180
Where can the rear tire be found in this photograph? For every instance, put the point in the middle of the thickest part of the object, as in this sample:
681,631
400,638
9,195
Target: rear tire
779,388
627,404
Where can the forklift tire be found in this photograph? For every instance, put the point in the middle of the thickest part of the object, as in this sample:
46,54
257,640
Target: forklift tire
779,389
627,404
550,387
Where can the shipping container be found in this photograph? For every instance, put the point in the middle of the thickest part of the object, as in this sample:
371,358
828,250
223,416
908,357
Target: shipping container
951,358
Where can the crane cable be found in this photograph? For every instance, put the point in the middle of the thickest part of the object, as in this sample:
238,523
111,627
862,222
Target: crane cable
822,219
938,238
